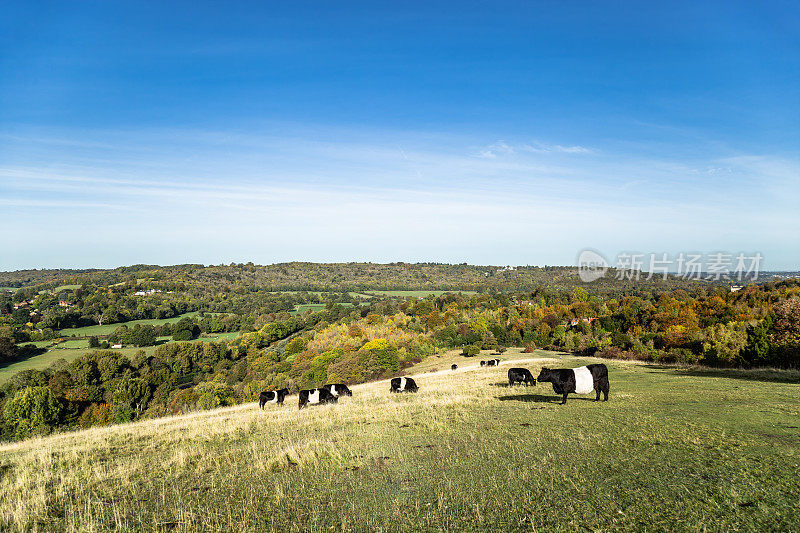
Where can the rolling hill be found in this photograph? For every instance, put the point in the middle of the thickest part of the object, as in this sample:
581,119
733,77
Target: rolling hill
673,449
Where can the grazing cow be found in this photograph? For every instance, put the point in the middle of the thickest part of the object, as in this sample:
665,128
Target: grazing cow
493,362
483,363
316,397
520,375
272,396
578,380
338,389
453,367
403,385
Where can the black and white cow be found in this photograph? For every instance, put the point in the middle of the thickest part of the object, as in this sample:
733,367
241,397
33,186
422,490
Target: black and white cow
403,385
520,375
338,389
493,362
581,380
453,366
483,363
272,396
316,397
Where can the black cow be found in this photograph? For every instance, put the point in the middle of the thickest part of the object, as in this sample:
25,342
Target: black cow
578,380
338,389
520,375
403,385
272,396
493,362
316,397
453,367
483,363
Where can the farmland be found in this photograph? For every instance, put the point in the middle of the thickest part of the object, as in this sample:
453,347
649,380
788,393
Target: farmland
61,288
108,329
71,349
301,308
417,294
673,449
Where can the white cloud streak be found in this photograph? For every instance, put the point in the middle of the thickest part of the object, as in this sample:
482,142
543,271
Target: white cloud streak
215,197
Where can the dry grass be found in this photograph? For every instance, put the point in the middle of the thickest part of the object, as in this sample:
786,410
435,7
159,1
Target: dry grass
466,452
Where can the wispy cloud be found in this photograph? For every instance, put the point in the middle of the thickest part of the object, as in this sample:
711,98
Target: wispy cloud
126,197
500,148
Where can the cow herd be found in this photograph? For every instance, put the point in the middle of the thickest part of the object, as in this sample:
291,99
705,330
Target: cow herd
565,381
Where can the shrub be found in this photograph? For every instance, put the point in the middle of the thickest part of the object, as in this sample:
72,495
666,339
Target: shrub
296,346
470,350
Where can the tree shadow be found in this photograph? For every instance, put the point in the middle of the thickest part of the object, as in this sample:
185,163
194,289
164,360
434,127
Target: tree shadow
25,352
769,375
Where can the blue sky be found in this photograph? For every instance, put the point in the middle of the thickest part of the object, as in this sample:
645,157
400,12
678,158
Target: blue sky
480,132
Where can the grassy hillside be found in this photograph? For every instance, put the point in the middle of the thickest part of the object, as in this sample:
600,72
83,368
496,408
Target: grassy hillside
672,450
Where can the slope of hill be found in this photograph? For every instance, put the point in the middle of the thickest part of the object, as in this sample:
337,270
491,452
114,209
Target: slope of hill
672,450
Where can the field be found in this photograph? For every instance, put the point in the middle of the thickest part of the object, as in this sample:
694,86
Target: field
40,362
108,329
300,308
417,294
62,288
71,349
673,450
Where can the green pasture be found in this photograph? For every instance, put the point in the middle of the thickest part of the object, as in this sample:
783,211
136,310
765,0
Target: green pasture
71,349
418,294
108,329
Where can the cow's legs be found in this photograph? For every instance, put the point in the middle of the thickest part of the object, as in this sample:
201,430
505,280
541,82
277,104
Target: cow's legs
564,400
597,390
606,386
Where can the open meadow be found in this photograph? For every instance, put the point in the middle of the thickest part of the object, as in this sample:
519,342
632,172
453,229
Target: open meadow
73,348
417,294
108,329
673,449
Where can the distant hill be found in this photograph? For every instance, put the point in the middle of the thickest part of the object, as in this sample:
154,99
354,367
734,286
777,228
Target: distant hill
301,276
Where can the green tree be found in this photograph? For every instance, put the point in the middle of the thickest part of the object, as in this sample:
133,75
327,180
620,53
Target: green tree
579,294
32,411
142,335
758,349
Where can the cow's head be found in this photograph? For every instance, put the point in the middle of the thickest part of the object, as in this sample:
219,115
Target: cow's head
544,374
